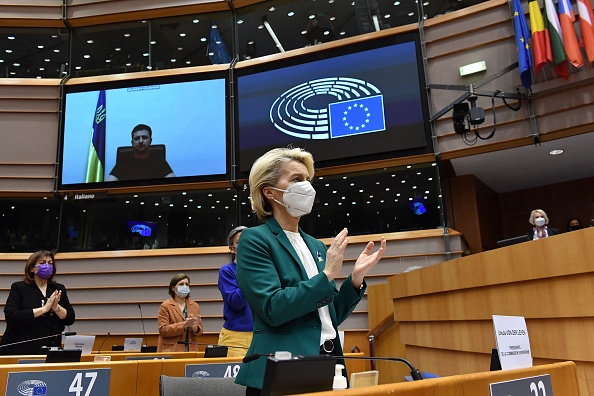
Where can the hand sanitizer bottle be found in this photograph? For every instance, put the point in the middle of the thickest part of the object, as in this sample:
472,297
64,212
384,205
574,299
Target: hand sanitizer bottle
340,381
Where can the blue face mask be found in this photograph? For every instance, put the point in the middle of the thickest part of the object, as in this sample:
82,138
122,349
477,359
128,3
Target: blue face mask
183,291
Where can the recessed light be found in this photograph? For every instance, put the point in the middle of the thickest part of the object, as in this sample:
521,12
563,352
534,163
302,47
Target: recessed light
556,152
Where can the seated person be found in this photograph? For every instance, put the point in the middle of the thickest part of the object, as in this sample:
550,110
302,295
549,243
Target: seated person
539,219
139,164
574,224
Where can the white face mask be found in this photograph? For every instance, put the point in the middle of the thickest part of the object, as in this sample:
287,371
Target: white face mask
539,221
298,198
183,291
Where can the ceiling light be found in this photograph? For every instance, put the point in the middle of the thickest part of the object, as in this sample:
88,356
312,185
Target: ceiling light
196,21
89,41
40,46
291,13
11,37
556,152
126,34
411,13
182,35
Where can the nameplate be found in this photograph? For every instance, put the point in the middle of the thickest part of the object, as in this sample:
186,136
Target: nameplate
93,382
212,370
539,385
513,343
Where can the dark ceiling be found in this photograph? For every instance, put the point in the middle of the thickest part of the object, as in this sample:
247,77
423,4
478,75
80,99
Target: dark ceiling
182,41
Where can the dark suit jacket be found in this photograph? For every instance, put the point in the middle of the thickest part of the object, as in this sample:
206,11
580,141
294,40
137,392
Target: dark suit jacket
171,326
22,325
550,231
283,300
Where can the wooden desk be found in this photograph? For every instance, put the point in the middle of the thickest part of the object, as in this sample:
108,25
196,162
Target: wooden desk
136,377
563,378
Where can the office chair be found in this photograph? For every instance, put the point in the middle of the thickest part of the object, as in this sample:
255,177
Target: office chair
156,150
188,386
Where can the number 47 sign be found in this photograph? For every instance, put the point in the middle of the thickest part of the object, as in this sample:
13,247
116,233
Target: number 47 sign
93,382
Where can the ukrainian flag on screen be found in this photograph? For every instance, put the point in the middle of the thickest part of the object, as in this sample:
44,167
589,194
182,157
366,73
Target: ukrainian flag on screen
357,116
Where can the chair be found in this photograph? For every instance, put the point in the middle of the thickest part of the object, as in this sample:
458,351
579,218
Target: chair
188,386
156,150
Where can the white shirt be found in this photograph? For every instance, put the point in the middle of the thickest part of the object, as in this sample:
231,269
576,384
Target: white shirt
307,260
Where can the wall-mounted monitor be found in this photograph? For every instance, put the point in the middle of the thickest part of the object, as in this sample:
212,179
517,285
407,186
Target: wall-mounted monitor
145,131
142,228
359,102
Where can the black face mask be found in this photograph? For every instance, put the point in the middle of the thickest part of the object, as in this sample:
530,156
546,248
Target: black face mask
575,227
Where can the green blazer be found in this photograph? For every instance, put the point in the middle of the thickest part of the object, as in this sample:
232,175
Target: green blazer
283,300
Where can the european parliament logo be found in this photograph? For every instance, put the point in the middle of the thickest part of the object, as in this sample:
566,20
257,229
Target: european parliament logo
32,388
329,108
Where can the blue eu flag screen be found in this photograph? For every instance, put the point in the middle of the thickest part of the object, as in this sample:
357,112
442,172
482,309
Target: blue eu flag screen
357,116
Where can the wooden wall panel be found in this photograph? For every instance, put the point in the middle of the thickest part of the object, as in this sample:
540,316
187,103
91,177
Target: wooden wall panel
445,311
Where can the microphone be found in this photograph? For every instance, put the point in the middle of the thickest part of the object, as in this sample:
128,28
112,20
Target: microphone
142,321
105,339
65,334
212,345
414,373
251,358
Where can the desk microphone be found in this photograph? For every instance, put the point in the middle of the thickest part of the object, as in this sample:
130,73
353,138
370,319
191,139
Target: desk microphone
65,334
213,345
414,373
105,339
251,358
142,321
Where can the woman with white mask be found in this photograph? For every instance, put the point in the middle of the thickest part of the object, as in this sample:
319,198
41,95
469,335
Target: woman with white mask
179,318
539,219
287,276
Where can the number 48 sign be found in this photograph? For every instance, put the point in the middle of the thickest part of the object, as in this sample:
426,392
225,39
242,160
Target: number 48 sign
532,386
93,382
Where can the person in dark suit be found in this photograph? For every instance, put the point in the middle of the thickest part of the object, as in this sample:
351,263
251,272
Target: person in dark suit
139,163
539,219
37,307
287,276
179,318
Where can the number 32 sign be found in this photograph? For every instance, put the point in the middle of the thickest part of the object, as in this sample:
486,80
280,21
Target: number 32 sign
532,386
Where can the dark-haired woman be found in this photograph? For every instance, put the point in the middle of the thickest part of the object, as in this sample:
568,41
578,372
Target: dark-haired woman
179,318
37,308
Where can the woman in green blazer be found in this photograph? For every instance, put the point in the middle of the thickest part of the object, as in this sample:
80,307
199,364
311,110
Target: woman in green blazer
288,276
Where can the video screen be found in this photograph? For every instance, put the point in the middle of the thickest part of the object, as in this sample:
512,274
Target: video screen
144,134
350,104
142,228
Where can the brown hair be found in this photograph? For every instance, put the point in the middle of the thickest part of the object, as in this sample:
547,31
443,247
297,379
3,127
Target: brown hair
32,261
174,281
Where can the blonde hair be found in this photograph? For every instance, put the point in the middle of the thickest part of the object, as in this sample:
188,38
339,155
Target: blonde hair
539,211
267,170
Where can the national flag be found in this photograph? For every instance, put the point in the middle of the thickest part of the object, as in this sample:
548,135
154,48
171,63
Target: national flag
217,51
357,116
551,23
96,158
522,36
541,40
587,27
566,19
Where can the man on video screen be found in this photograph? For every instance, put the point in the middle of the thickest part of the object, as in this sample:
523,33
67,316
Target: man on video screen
142,162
